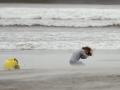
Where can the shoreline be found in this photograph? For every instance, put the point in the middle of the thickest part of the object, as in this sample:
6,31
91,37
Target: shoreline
50,70
59,59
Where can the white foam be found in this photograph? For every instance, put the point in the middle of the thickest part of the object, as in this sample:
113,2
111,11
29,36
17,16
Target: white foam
69,17
30,39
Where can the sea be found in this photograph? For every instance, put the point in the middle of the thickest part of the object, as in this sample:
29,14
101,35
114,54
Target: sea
59,26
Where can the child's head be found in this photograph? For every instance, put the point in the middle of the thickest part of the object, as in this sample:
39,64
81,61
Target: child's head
87,50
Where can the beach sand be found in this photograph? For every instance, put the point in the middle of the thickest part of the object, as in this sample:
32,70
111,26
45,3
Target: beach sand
50,70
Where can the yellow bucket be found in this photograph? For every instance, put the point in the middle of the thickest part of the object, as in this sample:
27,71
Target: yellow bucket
11,64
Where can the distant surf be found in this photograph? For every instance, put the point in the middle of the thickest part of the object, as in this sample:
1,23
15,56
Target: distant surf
21,38
62,17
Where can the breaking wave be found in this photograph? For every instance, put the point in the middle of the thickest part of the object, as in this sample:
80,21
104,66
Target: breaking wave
62,17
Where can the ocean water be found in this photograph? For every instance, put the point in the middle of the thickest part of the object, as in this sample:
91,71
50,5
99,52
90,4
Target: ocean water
21,38
60,16
52,27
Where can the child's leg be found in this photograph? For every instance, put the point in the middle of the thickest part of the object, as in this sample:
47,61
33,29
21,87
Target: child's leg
17,66
76,63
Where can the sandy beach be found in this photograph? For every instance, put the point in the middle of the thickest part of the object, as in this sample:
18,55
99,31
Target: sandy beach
43,37
50,70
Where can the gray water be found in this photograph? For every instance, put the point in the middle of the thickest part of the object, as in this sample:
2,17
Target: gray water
21,38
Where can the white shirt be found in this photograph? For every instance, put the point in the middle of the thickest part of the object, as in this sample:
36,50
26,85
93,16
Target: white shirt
77,55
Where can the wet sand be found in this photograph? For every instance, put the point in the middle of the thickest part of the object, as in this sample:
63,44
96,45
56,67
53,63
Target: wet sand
50,70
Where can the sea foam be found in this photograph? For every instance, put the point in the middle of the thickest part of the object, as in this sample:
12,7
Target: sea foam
64,17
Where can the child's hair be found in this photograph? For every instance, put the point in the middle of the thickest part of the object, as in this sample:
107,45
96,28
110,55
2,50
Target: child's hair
16,60
88,50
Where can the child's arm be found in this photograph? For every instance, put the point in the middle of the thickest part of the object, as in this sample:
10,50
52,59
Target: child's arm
83,55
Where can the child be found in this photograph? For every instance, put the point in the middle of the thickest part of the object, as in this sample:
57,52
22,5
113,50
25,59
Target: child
11,64
17,64
81,54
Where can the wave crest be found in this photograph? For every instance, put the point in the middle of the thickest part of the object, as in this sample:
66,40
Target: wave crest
64,17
